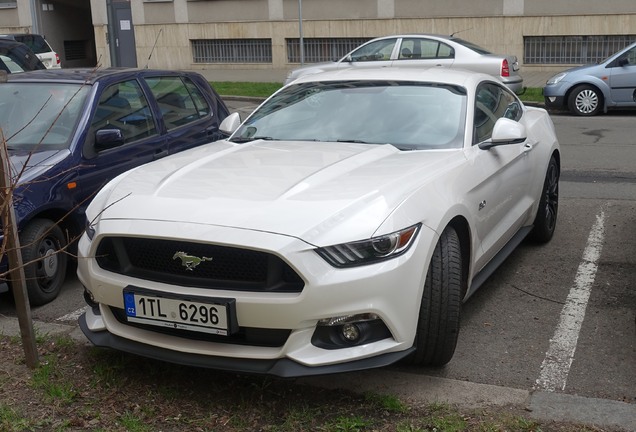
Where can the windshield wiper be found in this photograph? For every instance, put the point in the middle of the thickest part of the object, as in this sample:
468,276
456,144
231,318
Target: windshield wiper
254,138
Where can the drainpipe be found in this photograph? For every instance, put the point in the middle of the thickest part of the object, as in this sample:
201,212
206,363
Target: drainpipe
35,16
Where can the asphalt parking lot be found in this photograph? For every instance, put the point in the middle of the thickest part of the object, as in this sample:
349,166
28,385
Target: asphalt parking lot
554,328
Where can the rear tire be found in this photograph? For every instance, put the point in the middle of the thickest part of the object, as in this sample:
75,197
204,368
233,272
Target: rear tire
546,219
438,323
42,242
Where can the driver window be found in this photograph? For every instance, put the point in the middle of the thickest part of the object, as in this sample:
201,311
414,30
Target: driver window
374,51
123,106
493,102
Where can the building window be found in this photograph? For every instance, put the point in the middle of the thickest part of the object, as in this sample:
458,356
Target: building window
568,50
232,51
8,4
321,49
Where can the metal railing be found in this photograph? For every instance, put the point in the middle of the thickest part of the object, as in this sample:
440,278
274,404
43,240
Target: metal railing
232,50
572,49
321,49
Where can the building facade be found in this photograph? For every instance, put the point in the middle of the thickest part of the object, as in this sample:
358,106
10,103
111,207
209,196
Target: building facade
259,39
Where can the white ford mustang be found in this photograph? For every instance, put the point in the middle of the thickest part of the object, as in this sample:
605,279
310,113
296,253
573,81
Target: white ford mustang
340,227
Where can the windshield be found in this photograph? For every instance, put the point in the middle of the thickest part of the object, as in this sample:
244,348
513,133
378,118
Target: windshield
40,115
408,115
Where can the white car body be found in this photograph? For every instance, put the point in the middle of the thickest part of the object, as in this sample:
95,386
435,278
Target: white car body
40,46
288,199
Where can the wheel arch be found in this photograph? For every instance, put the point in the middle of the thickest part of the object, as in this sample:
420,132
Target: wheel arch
601,90
68,222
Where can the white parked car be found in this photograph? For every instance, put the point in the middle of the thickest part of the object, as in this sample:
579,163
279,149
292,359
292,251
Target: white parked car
340,227
423,51
39,46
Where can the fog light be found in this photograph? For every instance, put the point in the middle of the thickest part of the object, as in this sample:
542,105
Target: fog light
551,98
351,332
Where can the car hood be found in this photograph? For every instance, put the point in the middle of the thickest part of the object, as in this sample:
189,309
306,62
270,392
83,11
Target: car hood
299,189
37,162
584,69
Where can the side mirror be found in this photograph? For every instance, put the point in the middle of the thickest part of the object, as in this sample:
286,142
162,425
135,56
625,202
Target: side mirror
230,123
108,138
623,61
505,132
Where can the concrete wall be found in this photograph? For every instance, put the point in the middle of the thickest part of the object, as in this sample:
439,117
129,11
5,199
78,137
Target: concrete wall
173,46
498,25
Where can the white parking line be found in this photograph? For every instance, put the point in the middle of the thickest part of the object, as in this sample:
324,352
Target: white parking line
73,316
560,354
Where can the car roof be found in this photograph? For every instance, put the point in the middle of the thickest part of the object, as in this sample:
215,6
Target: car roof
458,77
407,35
9,43
87,75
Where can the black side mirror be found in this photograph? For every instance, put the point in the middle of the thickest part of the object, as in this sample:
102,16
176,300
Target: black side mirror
623,61
108,138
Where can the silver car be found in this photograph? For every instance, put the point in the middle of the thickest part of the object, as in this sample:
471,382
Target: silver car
424,50
588,90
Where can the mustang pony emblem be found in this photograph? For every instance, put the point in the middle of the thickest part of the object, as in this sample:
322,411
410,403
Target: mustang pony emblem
189,261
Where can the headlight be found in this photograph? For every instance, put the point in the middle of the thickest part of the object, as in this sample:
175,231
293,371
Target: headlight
370,251
555,79
90,229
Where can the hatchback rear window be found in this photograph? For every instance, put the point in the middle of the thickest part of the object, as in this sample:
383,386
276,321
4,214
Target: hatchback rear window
36,42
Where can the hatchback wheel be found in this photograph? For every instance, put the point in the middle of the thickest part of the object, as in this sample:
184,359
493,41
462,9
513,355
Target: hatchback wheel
44,260
585,100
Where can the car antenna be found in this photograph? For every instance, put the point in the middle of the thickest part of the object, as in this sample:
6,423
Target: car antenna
461,31
153,47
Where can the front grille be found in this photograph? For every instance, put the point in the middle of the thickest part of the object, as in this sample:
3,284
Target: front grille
210,266
245,336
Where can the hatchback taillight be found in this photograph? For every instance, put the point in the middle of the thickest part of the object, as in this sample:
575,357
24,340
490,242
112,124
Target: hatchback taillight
505,68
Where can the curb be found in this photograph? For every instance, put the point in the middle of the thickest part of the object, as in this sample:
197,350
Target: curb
540,405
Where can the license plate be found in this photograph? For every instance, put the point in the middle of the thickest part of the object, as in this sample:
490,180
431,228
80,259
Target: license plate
199,315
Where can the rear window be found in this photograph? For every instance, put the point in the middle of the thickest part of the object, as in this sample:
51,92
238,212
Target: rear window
471,46
36,42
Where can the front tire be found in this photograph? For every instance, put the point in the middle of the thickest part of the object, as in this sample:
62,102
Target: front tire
585,100
438,323
45,261
545,221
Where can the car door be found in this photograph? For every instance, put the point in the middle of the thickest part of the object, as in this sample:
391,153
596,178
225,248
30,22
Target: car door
122,110
623,79
377,53
500,191
424,52
188,116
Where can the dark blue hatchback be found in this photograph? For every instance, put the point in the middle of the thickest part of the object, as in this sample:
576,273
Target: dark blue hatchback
68,132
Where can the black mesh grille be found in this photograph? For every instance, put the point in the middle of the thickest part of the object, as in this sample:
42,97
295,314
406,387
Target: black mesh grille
211,266
245,336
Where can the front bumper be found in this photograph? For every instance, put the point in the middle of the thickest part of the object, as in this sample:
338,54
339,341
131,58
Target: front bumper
282,367
554,102
555,95
391,290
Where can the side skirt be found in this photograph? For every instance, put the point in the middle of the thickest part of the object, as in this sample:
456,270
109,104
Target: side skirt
497,260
